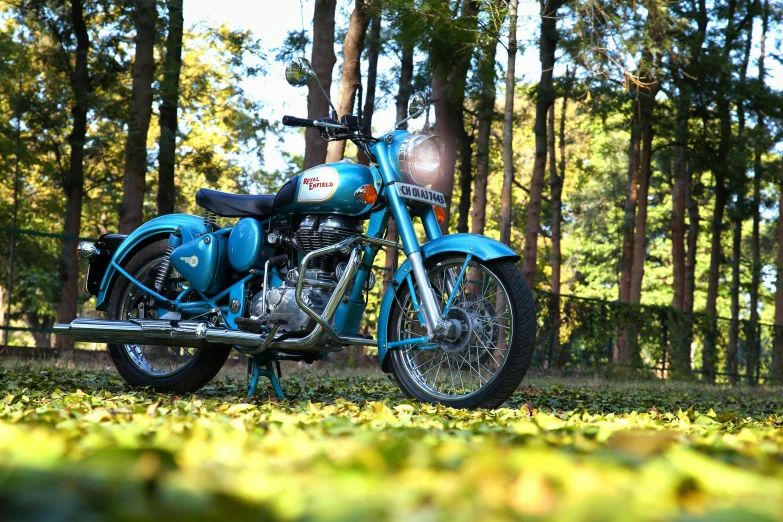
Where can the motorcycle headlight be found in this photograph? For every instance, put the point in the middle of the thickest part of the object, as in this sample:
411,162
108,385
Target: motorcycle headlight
420,159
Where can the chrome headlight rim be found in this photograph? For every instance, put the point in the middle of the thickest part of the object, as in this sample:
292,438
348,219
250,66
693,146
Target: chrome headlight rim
408,165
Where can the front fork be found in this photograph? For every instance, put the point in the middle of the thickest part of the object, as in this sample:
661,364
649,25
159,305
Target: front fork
437,325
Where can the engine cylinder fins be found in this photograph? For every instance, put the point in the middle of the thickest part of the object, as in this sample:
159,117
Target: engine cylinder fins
321,231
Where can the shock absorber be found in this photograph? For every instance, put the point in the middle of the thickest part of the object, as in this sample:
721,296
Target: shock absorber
210,220
164,271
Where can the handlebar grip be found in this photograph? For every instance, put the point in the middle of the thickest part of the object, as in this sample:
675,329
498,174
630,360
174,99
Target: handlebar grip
293,121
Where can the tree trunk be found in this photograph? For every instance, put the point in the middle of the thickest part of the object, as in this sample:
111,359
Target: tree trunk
557,257
645,172
545,97
486,112
465,142
73,184
134,182
448,94
508,128
722,174
351,76
738,215
323,60
406,77
631,196
684,195
777,351
373,49
753,345
169,97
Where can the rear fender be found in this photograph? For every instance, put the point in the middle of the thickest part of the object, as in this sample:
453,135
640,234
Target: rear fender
151,231
481,247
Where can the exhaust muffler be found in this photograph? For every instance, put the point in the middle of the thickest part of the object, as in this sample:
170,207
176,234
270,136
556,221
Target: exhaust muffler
190,334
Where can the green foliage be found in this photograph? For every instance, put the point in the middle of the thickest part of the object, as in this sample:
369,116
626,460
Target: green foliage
77,445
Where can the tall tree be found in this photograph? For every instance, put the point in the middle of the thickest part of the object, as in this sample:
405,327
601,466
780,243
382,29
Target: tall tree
486,114
323,60
777,352
545,97
685,193
631,197
351,77
758,172
373,50
508,128
465,141
450,53
556,185
169,97
73,185
722,172
738,213
134,180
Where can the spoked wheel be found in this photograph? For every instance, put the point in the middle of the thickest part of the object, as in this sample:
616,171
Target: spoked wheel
163,368
481,366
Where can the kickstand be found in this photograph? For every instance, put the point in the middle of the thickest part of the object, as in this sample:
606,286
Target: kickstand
268,372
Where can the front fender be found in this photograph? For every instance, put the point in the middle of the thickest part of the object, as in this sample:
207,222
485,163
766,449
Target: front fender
482,247
149,232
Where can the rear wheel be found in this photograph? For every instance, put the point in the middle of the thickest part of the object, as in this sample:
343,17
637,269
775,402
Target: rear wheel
163,368
484,365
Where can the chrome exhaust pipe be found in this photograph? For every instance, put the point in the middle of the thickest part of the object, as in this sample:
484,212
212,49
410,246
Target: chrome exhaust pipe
190,334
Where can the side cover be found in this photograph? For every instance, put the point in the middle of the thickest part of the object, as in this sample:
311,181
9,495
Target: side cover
149,232
481,247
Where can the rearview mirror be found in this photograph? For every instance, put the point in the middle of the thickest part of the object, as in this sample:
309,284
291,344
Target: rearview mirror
299,72
417,106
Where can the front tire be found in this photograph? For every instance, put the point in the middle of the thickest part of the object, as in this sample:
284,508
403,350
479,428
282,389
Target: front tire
166,369
483,367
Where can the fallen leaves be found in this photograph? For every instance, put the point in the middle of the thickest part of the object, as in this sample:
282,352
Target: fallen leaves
352,449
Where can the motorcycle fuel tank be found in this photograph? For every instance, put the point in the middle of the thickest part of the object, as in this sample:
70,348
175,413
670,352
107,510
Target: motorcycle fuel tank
326,189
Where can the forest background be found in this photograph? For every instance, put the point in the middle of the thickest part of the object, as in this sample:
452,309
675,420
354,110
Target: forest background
640,164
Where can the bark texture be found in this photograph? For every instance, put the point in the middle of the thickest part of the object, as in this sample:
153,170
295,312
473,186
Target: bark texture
486,113
685,194
753,351
631,195
323,60
545,97
169,97
722,174
373,49
351,75
134,180
73,184
506,196
448,94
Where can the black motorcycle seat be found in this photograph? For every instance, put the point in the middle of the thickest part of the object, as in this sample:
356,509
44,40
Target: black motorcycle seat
235,205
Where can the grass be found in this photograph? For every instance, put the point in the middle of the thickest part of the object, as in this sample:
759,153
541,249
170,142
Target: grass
78,444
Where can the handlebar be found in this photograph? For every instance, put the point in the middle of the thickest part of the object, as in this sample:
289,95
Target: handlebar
293,121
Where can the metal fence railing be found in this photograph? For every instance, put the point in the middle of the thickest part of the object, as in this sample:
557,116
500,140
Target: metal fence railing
575,334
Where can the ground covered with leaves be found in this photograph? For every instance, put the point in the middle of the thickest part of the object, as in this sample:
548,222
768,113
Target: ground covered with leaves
78,445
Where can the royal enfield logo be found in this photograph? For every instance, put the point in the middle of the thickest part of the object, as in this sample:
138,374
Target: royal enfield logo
318,184
191,260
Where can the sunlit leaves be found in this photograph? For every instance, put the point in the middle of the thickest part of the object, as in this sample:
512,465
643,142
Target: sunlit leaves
350,448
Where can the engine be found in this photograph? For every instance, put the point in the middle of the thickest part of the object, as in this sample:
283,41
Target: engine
311,233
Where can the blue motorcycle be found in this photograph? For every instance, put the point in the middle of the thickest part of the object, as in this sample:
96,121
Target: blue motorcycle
288,281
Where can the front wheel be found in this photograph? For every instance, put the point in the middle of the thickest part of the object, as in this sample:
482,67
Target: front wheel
484,365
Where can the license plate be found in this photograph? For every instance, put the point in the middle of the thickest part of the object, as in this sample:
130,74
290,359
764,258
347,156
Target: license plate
422,194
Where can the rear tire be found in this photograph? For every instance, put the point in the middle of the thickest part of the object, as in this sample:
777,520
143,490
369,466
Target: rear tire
482,345
195,372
